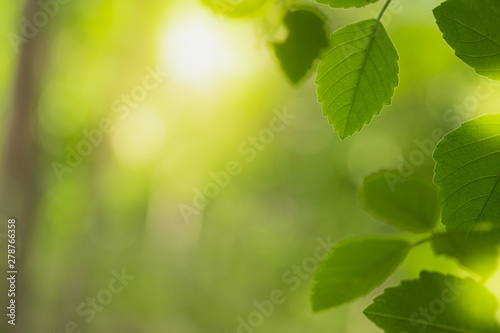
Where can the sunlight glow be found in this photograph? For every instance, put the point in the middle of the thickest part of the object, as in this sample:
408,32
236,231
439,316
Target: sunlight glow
197,49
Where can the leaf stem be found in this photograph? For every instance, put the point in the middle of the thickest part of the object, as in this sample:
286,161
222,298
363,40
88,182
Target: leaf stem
437,235
382,11
423,240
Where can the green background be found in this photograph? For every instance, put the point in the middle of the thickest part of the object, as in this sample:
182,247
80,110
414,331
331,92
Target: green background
120,206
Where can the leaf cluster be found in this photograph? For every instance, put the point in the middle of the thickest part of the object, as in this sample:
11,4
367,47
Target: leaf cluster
357,75
357,266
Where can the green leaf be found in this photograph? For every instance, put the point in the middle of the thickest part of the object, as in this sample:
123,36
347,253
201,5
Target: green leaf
357,75
234,8
354,268
435,303
467,172
346,3
472,29
307,35
479,255
409,204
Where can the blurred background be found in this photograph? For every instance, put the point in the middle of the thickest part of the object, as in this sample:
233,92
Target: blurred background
136,139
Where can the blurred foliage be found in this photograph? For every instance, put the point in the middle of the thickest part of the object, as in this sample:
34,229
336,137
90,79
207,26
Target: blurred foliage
307,36
120,206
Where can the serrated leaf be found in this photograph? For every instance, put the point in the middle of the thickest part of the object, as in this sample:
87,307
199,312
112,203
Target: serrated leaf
307,35
357,76
472,29
354,268
478,255
346,3
435,303
409,204
467,173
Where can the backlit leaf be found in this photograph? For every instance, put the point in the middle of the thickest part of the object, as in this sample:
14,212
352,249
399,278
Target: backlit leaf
468,172
410,204
357,76
435,303
479,255
472,29
354,268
